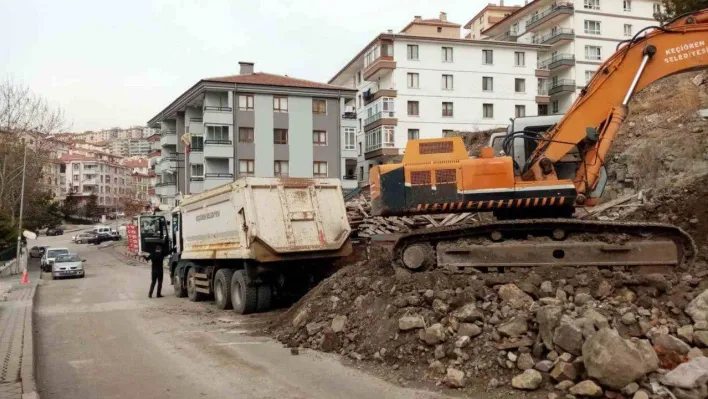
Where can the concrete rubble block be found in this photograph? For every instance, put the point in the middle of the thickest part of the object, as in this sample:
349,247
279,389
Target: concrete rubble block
547,318
468,313
410,322
528,380
698,307
455,378
569,338
469,330
564,385
525,361
687,375
685,333
586,388
586,326
437,367
300,318
329,341
615,361
434,334
546,289
315,327
564,372
581,299
515,327
515,297
630,389
339,323
694,353
701,338
597,318
669,342
439,306
544,366
439,352
640,395
462,342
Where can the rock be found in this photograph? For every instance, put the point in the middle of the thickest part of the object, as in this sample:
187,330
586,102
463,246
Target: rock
698,307
294,351
516,298
626,295
701,325
469,330
564,385
315,327
462,342
614,361
514,327
399,302
629,318
434,334
546,289
698,79
410,322
586,388
685,333
437,367
669,342
701,338
640,395
697,129
525,361
586,326
564,372
429,295
694,353
597,318
630,389
582,298
565,357
512,356
330,341
603,290
338,323
493,384
528,380
550,302
468,313
548,318
455,378
439,353
544,366
687,375
552,356
439,306
653,118
561,295
569,338
301,317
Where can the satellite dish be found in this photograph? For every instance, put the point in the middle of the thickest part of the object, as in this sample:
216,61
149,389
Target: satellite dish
29,235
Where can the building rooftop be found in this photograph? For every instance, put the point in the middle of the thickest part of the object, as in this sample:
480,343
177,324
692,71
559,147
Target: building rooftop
269,79
136,163
491,6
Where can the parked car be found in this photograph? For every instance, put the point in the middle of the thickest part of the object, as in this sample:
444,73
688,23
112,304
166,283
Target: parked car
37,252
86,237
49,257
67,265
102,237
55,232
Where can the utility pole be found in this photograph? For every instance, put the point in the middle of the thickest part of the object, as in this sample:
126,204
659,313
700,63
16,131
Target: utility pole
22,203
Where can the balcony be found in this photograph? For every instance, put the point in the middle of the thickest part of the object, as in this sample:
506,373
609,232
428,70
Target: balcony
380,66
166,189
542,96
168,137
557,61
212,180
379,119
218,115
196,184
349,115
218,149
554,14
509,36
196,126
380,142
562,86
370,97
90,182
556,36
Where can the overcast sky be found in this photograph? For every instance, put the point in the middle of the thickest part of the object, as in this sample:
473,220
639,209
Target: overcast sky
118,63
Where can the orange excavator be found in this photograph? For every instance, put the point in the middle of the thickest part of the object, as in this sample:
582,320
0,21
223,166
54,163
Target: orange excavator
541,177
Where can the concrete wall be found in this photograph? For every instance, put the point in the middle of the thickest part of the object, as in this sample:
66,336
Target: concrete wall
300,125
263,134
329,153
180,156
243,150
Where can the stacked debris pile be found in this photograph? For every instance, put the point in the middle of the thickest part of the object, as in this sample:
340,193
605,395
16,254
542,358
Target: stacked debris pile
584,332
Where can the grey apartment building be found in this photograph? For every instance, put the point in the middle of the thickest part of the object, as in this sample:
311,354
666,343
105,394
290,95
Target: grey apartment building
254,124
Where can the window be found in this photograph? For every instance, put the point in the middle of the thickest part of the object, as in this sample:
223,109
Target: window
76,177
554,106
592,4
488,57
280,136
361,173
388,107
487,83
382,136
542,109
219,134
413,108
245,135
628,30
281,168
319,137
446,109
280,104
593,53
447,82
519,59
245,102
319,169
627,5
197,170
349,138
447,54
359,152
246,167
413,134
197,143
588,76
439,29
657,8
520,111
592,27
448,133
412,80
413,52
520,85
488,111
319,106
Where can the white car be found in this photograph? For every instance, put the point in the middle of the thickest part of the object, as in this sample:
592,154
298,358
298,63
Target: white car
49,255
67,265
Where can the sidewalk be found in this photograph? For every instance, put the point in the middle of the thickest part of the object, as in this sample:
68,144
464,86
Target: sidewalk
16,338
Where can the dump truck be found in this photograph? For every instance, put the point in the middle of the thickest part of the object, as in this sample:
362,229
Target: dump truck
251,241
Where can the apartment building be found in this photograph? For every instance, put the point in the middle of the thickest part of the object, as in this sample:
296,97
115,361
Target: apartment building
85,175
427,82
119,147
486,18
254,124
138,146
581,33
140,187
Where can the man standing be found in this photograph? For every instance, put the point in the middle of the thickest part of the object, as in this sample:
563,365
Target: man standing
156,259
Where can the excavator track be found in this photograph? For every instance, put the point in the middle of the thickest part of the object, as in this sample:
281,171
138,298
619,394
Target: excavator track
546,242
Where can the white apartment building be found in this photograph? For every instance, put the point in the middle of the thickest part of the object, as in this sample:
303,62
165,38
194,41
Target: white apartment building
138,146
427,82
86,175
581,33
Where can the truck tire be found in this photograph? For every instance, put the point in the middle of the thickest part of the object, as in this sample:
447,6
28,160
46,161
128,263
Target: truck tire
244,297
222,288
178,282
192,293
265,297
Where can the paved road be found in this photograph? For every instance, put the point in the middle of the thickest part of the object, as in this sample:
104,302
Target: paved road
101,337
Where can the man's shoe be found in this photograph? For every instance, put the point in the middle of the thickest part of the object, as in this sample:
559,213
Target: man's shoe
149,295
159,296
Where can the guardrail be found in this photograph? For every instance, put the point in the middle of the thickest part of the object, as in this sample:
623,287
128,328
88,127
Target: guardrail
229,175
218,109
228,142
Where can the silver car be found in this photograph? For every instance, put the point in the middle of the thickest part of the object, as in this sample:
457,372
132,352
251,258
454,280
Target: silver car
67,265
49,255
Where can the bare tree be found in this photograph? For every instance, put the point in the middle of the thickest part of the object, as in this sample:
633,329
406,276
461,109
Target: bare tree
22,111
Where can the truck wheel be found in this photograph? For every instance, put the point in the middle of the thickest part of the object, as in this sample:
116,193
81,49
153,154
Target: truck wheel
244,297
180,291
192,293
265,297
222,288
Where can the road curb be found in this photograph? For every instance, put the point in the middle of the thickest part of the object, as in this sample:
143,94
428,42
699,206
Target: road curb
28,369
